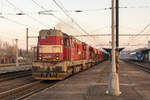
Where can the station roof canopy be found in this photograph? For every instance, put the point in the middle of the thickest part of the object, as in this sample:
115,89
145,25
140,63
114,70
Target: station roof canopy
109,49
141,50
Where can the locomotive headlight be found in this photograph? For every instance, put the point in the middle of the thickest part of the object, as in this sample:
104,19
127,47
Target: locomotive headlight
57,58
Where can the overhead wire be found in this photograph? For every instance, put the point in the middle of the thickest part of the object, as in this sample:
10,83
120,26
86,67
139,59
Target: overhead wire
75,11
86,10
59,19
134,39
19,22
27,14
16,22
50,14
15,36
63,9
110,8
96,10
53,15
141,32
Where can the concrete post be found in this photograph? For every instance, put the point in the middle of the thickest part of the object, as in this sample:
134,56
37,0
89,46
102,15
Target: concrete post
27,39
149,51
17,52
113,83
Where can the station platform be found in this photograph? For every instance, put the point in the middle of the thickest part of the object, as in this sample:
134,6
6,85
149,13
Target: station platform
14,68
92,84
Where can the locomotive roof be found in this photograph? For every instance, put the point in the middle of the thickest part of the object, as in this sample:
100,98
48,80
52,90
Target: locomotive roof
56,32
50,32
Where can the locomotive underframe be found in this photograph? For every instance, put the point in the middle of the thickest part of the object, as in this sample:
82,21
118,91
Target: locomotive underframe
60,70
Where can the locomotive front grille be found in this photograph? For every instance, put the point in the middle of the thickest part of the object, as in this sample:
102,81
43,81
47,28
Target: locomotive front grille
34,68
58,69
49,76
47,69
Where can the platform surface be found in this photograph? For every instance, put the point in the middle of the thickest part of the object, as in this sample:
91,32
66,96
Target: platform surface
92,85
14,68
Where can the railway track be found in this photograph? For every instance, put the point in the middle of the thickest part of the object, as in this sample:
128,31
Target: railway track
24,91
140,66
19,85
14,75
27,90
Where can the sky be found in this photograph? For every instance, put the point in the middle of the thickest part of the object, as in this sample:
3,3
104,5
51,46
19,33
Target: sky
95,18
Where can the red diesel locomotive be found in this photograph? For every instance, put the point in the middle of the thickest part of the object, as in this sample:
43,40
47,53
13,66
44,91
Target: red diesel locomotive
60,55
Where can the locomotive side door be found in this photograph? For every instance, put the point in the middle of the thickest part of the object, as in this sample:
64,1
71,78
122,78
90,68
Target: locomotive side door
66,48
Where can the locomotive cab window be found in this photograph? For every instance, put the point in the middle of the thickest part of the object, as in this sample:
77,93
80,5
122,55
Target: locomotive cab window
61,42
84,47
72,43
77,48
66,42
43,37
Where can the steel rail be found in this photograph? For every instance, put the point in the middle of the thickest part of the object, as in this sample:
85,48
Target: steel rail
14,75
35,91
19,89
141,67
26,90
